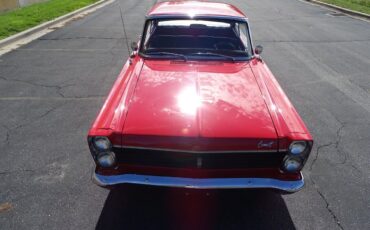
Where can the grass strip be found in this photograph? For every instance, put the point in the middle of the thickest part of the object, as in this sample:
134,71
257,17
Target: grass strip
356,5
20,19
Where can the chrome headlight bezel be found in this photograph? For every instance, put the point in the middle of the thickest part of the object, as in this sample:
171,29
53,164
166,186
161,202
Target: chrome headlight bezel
301,156
102,144
291,158
108,161
97,151
297,147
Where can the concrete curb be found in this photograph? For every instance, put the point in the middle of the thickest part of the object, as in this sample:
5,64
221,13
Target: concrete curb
28,32
341,9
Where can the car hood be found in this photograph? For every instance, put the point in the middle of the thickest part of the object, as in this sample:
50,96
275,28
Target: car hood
199,100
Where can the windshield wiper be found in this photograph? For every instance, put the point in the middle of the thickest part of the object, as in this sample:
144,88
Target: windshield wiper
214,54
169,53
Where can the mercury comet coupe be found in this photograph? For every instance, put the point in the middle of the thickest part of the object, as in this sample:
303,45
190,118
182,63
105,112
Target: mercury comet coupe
195,106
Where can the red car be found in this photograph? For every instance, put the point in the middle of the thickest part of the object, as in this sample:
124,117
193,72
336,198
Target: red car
195,106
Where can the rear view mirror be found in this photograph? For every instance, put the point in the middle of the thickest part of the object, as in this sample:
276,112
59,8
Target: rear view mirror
134,46
258,50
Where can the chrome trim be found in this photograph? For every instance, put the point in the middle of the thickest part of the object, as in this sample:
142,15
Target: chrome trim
208,183
199,16
205,17
251,38
283,150
191,151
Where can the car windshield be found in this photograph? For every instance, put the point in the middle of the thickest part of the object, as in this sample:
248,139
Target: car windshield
196,39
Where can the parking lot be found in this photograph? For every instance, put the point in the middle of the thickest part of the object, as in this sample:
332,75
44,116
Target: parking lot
52,89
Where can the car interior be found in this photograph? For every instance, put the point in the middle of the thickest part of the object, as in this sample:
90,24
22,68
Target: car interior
194,36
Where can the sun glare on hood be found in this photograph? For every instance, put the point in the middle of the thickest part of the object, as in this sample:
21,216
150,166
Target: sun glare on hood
188,101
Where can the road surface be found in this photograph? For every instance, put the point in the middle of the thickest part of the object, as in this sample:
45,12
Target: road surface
52,89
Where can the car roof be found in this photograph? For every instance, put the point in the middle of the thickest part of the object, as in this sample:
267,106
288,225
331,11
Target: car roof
195,8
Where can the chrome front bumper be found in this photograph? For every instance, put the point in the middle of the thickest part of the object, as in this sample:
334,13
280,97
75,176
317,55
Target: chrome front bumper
195,183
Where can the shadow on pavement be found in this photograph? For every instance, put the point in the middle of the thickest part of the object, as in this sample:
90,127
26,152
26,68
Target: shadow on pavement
141,207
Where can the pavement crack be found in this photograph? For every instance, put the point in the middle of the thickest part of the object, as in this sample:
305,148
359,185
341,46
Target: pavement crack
338,140
327,204
318,153
57,87
9,130
336,143
48,112
329,209
7,135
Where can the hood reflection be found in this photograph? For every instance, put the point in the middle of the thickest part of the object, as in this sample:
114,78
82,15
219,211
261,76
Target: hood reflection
194,100
188,101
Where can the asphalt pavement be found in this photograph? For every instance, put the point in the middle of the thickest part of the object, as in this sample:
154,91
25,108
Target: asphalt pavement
52,89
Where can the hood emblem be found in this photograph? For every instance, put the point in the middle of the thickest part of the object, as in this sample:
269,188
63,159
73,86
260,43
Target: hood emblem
265,144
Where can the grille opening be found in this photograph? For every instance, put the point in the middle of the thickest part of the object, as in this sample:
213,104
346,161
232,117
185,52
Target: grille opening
207,160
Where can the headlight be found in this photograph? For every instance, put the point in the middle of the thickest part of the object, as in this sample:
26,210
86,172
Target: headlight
296,156
297,147
107,159
293,164
102,143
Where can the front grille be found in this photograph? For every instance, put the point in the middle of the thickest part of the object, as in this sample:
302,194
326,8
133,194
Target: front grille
208,160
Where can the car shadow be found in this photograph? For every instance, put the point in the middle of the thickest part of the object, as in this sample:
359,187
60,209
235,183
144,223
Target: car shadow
143,207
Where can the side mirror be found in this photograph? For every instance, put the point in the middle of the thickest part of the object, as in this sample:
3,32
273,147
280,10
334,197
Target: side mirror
134,46
258,50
